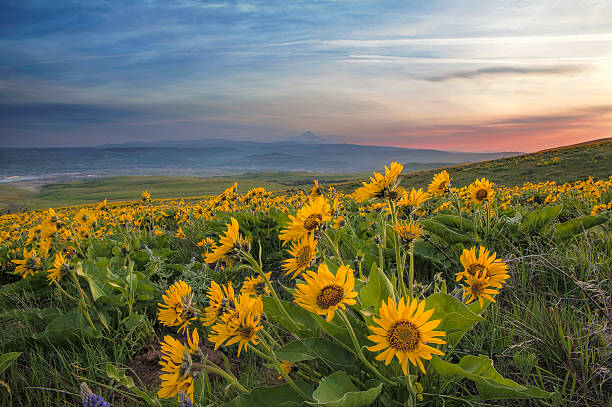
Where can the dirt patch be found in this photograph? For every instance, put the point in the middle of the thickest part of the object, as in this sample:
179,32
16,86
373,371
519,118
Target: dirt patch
145,367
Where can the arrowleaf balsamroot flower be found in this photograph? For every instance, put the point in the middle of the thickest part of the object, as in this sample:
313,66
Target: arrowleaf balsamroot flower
255,286
413,199
229,243
403,331
408,232
380,186
176,362
478,288
307,220
481,190
440,183
323,293
241,327
145,196
177,309
302,252
485,264
221,300
61,265
29,265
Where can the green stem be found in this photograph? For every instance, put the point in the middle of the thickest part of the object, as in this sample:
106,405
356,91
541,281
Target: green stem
411,272
457,205
64,291
270,338
280,306
360,352
398,256
76,282
230,378
282,372
333,245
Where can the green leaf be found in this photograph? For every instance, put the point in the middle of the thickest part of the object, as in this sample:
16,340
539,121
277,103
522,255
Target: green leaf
7,359
456,317
66,327
119,375
270,396
313,348
304,319
455,222
449,236
538,219
97,275
490,384
337,390
571,228
377,289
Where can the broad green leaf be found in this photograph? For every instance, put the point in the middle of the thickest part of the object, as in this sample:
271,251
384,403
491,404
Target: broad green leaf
66,327
490,384
337,329
119,375
377,289
313,348
36,284
449,236
7,359
35,316
337,390
456,317
571,228
304,319
97,275
271,396
536,220
455,222
429,252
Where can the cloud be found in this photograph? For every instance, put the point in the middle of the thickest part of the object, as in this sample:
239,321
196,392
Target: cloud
525,132
508,70
61,116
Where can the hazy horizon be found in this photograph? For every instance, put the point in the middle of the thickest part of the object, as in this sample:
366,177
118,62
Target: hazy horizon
469,76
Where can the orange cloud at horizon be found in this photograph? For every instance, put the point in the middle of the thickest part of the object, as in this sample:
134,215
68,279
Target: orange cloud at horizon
522,133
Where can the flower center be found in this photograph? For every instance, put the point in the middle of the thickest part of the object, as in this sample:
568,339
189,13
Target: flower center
246,332
477,288
443,186
477,268
481,194
260,288
303,257
329,296
404,336
312,222
408,235
32,263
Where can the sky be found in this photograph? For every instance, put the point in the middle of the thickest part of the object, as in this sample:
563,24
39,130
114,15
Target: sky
493,75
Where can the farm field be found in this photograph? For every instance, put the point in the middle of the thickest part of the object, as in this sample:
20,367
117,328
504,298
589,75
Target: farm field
435,288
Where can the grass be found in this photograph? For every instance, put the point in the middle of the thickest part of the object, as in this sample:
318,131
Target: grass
129,187
550,327
574,163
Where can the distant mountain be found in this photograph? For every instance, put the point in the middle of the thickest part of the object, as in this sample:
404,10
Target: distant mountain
308,137
306,152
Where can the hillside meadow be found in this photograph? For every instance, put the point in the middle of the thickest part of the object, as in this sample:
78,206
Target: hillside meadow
438,288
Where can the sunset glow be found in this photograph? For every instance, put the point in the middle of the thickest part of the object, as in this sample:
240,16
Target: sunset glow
464,76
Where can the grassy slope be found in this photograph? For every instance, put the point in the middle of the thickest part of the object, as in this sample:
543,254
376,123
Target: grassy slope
575,162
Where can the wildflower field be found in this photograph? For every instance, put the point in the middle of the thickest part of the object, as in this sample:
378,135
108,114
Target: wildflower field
441,295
